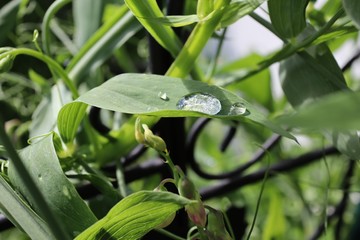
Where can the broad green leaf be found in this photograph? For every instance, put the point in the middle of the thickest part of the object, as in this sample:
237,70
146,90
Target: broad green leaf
57,190
145,11
338,111
310,74
83,10
8,15
238,9
288,16
69,117
352,8
143,94
135,215
20,213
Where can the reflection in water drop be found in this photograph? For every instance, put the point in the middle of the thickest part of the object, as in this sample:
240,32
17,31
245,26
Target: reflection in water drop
200,102
237,109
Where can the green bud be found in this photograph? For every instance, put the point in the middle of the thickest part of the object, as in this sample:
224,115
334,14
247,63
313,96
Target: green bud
6,63
187,189
139,136
153,141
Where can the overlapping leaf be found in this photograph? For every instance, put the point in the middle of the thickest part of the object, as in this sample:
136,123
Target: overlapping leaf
135,215
57,190
139,94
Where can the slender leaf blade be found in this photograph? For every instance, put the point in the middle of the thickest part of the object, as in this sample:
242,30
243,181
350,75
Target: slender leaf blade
20,213
57,190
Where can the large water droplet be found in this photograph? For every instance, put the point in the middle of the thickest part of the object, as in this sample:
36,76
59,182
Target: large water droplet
200,102
237,109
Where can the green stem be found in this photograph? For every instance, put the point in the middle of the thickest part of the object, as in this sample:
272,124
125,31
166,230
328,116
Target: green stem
169,234
52,64
172,166
45,211
45,27
194,45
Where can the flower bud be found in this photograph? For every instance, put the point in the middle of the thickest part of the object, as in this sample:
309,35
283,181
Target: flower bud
6,63
153,141
139,136
196,213
187,189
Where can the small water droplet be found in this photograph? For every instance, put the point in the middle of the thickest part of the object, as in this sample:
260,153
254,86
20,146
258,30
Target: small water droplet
39,176
237,109
200,102
163,96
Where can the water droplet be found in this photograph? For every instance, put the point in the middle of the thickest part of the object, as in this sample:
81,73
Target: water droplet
39,176
200,102
237,109
163,96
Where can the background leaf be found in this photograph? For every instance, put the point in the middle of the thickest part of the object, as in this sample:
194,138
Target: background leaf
8,16
338,111
57,190
20,213
352,8
83,10
135,215
288,16
309,75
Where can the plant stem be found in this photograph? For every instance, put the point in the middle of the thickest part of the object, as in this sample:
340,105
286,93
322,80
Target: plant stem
169,234
195,44
45,211
52,64
45,27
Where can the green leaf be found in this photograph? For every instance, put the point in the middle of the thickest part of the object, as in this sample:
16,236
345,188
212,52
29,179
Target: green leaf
135,215
69,118
146,12
238,9
113,34
20,213
139,94
347,142
57,190
288,16
339,111
352,8
83,10
310,74
8,15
